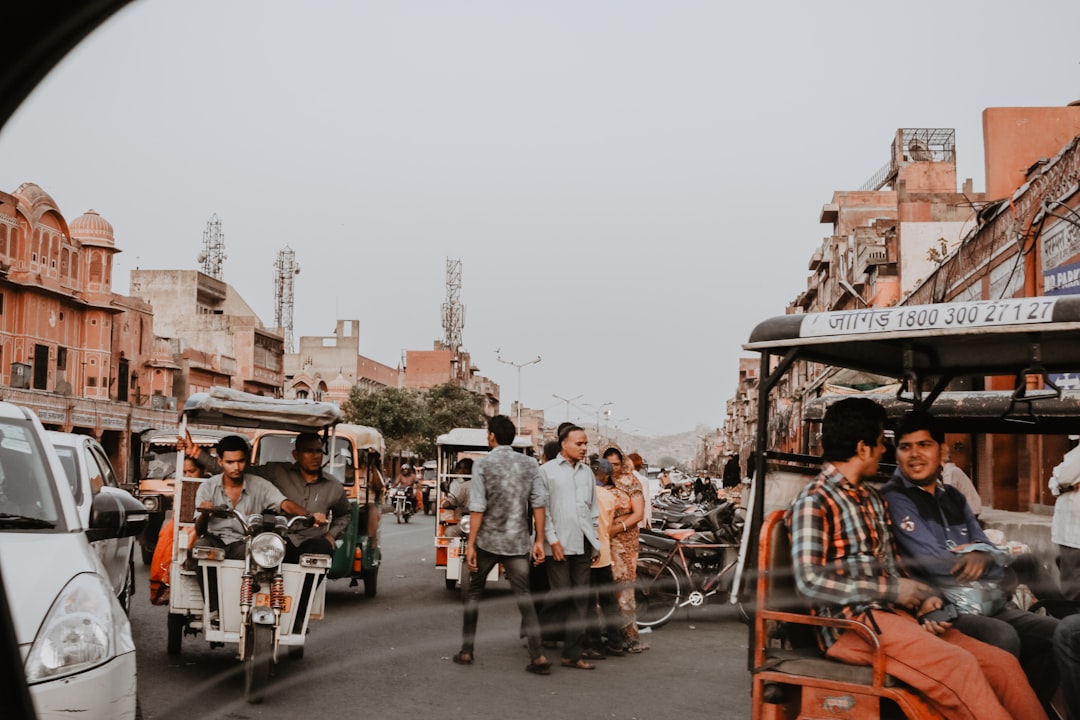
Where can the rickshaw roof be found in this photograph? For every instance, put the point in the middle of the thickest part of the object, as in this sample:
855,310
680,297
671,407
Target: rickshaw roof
362,436
987,337
474,439
225,406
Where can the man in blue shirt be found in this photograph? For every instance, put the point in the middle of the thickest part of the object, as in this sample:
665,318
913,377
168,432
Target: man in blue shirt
943,545
570,534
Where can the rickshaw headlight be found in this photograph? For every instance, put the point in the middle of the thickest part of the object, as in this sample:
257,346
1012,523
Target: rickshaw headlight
268,550
464,524
151,502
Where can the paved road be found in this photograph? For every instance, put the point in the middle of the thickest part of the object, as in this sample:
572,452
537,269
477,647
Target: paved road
389,657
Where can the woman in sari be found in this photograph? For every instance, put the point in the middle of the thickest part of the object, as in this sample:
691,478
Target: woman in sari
629,510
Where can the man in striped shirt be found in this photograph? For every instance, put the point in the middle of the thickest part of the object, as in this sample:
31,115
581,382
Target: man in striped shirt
846,565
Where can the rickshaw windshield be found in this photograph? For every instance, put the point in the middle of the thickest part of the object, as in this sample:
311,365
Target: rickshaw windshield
279,448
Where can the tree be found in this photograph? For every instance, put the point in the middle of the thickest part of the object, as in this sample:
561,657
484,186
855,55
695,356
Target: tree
397,414
448,406
413,419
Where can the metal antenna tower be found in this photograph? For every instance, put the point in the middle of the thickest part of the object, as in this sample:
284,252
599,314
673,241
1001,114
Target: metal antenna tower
285,269
213,254
453,312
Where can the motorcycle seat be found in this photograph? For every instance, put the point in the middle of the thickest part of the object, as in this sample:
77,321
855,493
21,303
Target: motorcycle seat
680,534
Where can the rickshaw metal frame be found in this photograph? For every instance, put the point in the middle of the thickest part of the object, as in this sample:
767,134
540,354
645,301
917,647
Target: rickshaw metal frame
450,551
926,347
232,408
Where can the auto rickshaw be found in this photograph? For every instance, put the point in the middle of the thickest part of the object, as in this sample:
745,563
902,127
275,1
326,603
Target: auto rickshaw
260,604
352,457
450,539
157,478
926,349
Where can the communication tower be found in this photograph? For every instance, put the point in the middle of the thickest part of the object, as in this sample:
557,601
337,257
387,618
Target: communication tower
285,269
213,254
453,312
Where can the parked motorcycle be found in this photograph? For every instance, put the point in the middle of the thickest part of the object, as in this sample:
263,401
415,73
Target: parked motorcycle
403,500
261,602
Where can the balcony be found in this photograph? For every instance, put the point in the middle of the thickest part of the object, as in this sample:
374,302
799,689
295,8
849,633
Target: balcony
870,253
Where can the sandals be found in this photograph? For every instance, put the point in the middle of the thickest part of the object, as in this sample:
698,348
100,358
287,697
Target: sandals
539,668
636,647
577,664
591,654
463,658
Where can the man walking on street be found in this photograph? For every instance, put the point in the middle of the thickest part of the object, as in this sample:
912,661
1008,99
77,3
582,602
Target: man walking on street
505,486
572,518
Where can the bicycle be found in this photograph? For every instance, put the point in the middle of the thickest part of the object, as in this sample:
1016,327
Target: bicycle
687,575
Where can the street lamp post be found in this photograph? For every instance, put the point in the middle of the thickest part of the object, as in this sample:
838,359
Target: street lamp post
557,397
599,409
518,366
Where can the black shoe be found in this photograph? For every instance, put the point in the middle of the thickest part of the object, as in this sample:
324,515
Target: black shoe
614,650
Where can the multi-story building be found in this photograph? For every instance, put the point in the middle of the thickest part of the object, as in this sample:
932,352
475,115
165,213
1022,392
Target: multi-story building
222,341
921,242
327,368
81,356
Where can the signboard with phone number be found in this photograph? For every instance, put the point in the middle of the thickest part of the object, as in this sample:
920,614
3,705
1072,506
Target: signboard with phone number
946,316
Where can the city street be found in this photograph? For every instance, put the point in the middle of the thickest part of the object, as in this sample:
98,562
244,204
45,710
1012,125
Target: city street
389,657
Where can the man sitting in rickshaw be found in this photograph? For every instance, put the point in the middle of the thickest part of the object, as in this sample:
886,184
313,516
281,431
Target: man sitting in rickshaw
304,485
457,497
239,490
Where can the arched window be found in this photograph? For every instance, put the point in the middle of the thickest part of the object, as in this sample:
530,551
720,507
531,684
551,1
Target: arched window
96,268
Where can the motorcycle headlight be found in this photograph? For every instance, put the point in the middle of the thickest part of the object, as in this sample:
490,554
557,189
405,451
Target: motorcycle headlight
268,550
85,627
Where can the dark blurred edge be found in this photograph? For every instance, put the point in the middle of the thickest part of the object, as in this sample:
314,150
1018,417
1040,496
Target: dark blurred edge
41,33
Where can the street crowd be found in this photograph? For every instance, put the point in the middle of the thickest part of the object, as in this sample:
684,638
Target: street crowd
566,534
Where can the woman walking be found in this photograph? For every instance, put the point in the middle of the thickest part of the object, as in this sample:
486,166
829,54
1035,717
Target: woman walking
629,510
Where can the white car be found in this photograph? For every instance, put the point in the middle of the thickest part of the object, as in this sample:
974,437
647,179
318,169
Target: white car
88,470
74,638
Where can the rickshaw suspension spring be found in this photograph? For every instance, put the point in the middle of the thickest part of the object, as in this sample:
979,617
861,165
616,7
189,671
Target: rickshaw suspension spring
245,590
277,593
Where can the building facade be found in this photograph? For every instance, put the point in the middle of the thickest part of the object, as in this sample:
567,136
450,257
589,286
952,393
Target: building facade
84,358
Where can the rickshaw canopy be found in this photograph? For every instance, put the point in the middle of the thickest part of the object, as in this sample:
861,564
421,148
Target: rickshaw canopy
474,439
225,406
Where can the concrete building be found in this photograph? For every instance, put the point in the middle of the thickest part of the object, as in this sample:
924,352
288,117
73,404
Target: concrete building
81,356
1020,238
222,341
428,368
328,367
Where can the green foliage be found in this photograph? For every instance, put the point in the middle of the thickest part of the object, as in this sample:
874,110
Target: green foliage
413,419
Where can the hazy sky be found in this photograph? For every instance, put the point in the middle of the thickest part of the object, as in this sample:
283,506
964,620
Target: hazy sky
631,186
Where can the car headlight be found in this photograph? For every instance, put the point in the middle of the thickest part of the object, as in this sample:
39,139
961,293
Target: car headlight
85,627
268,550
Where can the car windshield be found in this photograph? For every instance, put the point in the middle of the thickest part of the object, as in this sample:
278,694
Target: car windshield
71,467
27,497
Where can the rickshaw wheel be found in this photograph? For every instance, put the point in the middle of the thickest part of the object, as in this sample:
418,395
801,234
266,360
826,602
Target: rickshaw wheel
260,645
176,633
371,583
296,652
451,584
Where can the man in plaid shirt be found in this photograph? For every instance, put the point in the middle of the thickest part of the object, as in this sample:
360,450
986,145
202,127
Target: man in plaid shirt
846,565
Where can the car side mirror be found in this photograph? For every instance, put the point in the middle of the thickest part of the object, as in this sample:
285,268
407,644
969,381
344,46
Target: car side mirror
115,514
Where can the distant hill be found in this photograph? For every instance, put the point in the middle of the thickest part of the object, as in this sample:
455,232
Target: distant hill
682,446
